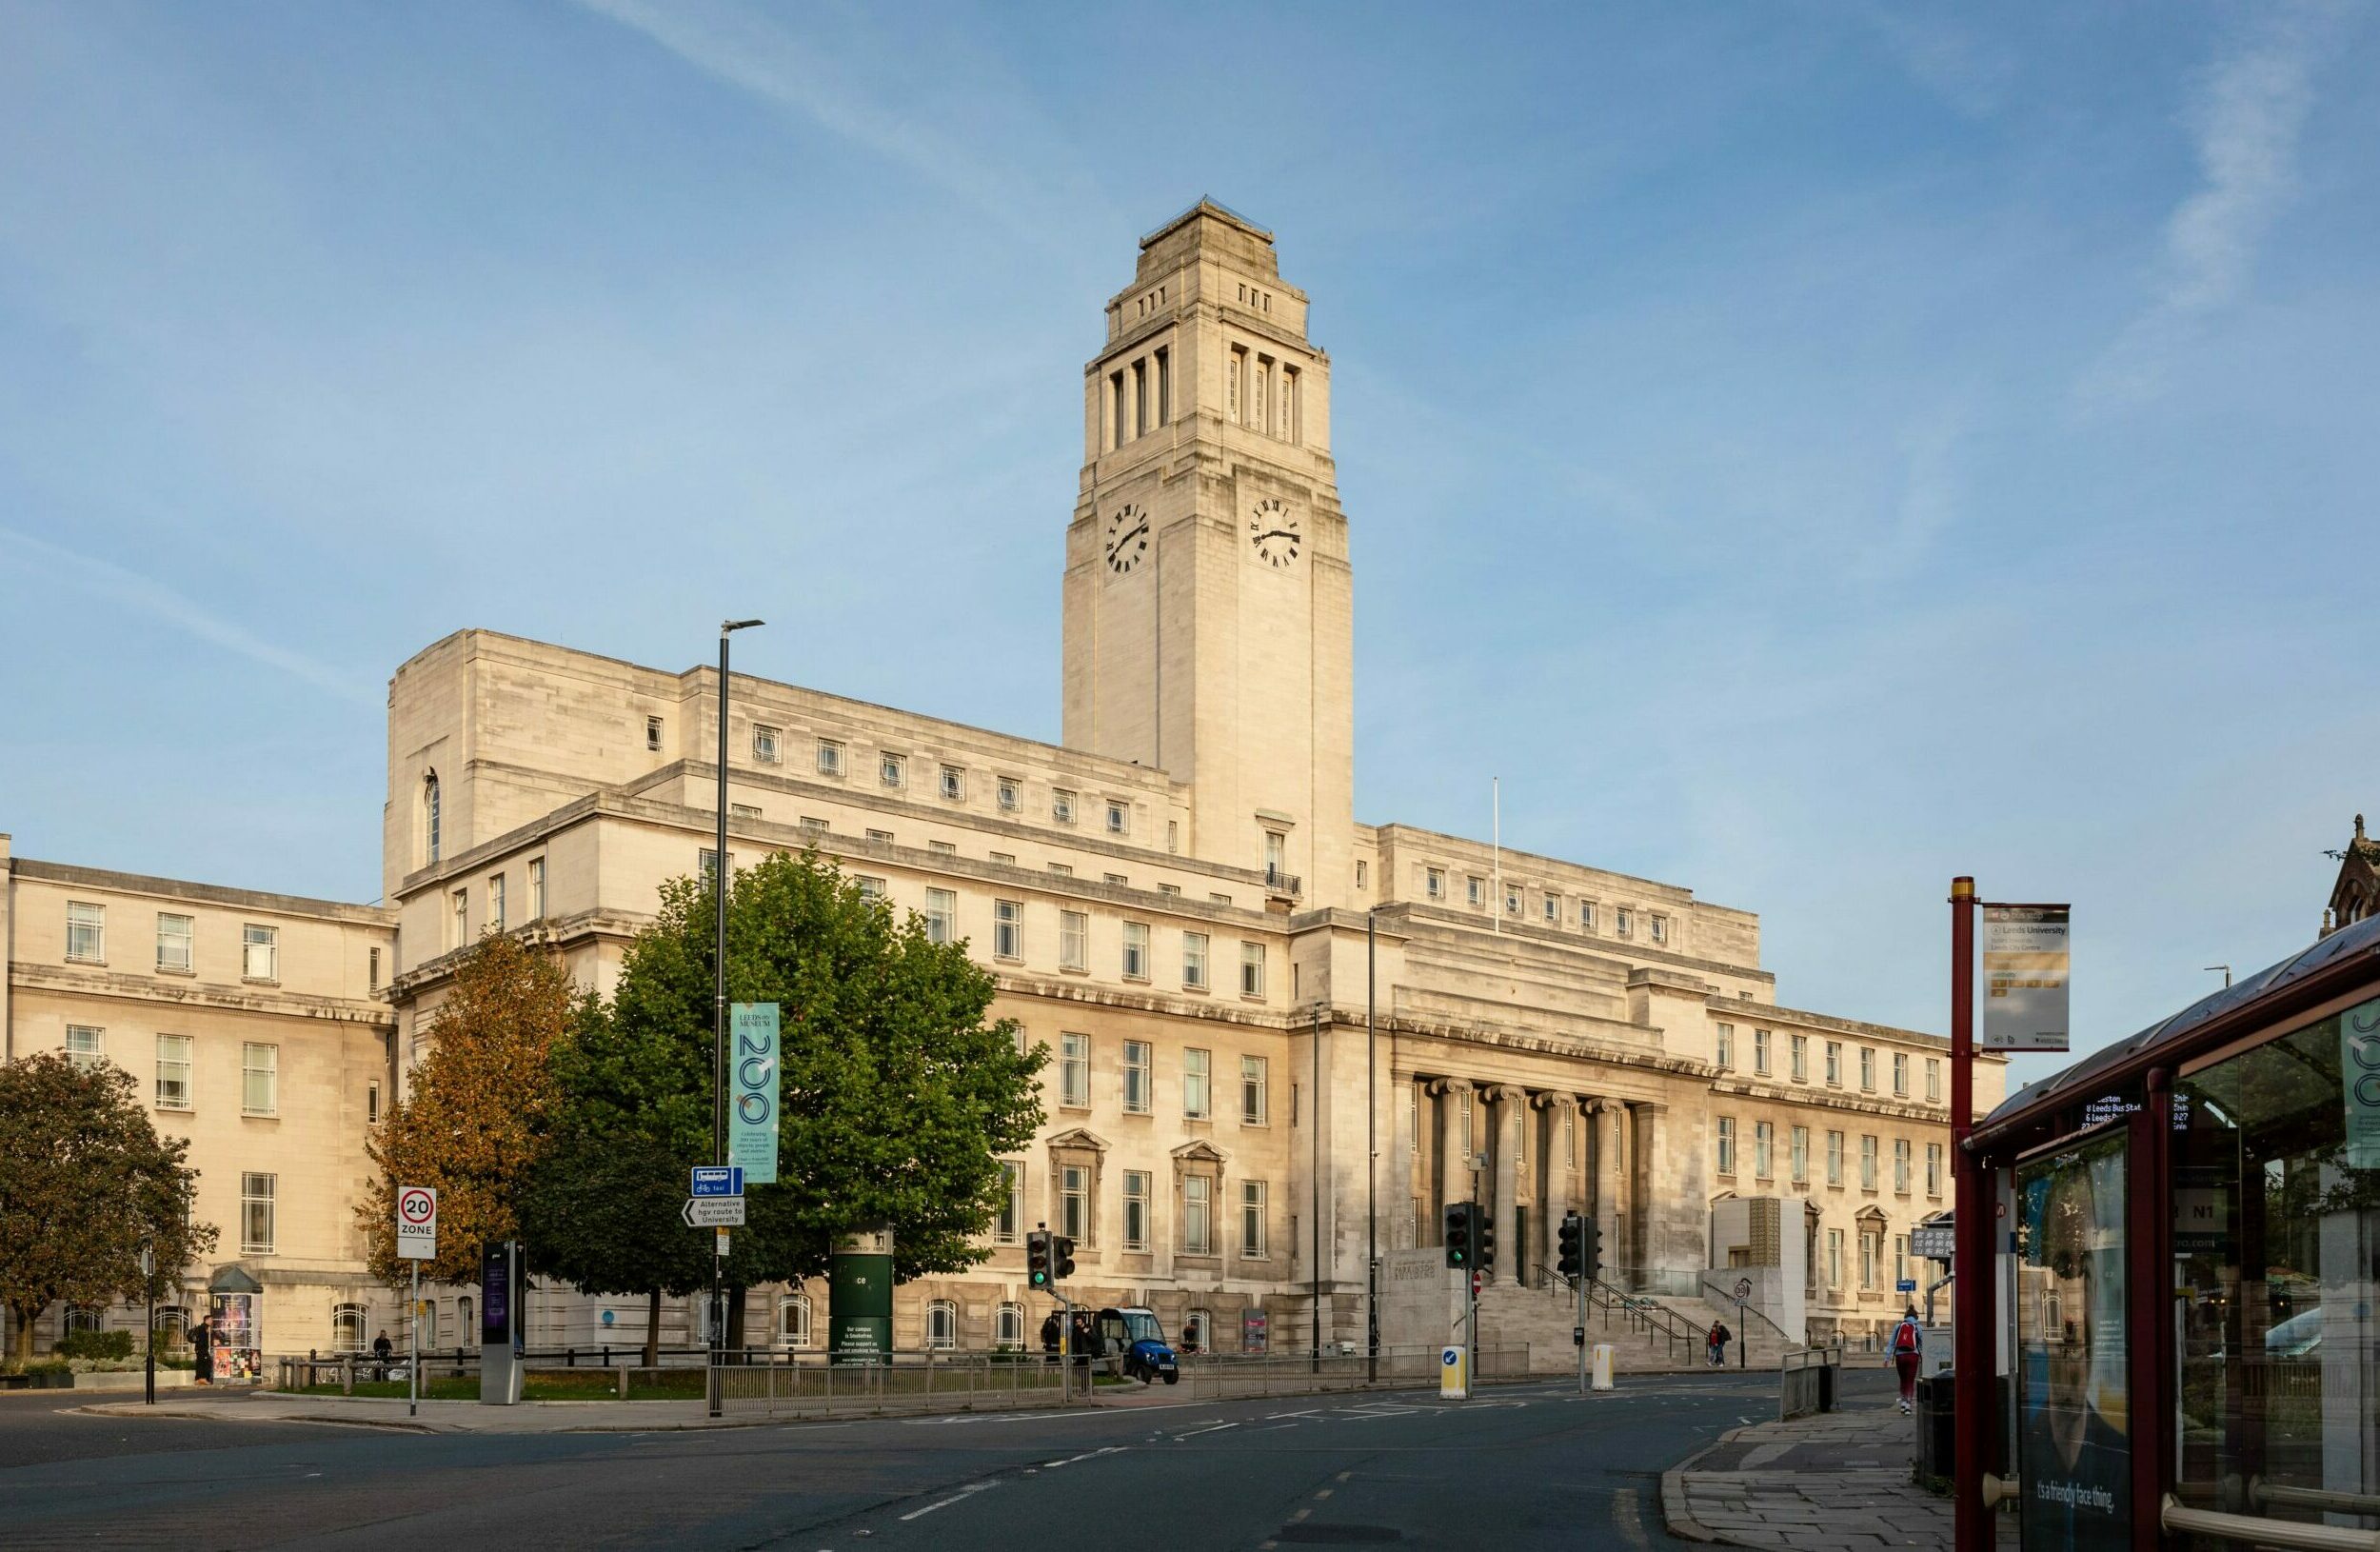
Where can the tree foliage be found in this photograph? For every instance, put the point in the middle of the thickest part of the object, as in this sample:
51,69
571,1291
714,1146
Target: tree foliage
86,1183
476,1117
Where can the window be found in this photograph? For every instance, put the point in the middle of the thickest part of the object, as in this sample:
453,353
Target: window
1834,1064
1726,1045
1198,1228
260,1079
951,783
346,1328
1194,960
1254,1101
1196,1069
256,1226
793,1321
1251,969
1901,1074
1797,1059
496,901
1660,929
1433,883
537,889
1934,1169
768,744
1871,1253
941,915
1011,795
1586,916
1276,857
430,814
1933,1081
1901,1257
85,933
459,907
174,934
829,758
743,810
1062,805
1476,888
1073,1202
1074,940
1065,871
174,1072
1252,1220
1900,1165
1801,1155
1512,900
1867,1068
1834,1157
1006,859
1138,1085
1118,819
1136,1210
1727,1145
1364,874
1008,1328
942,1325
943,848
1764,1150
871,888
85,1046
891,770
812,826
1833,1257
1073,1069
1218,899
1011,1216
1552,908
652,732
1867,1162
1174,889
371,1102
1136,950
1007,930
1760,1052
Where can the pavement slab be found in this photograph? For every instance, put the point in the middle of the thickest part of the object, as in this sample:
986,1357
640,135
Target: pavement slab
1823,1483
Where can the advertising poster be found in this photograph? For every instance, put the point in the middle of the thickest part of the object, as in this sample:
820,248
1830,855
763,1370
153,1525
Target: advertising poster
2075,1434
2026,960
752,1097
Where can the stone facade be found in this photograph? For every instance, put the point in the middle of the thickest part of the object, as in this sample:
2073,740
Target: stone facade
1246,993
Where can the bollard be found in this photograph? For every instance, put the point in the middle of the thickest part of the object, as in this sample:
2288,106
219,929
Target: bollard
1602,1379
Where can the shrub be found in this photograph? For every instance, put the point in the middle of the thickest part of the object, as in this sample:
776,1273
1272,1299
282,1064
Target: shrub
95,1344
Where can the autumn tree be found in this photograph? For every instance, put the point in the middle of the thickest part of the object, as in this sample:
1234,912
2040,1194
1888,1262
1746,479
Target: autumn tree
476,1116
86,1185
900,1092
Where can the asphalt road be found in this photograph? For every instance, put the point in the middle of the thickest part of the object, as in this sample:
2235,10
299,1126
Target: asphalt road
1519,1467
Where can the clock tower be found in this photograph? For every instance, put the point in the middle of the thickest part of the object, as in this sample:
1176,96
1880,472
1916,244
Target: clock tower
1208,604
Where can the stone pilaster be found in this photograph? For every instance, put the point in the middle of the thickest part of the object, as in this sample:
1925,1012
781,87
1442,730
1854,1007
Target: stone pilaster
1510,1103
1454,1178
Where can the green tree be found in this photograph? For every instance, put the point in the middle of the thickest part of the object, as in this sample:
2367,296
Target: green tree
86,1183
900,1093
474,1121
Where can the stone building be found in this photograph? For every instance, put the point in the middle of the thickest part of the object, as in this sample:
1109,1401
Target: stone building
1246,992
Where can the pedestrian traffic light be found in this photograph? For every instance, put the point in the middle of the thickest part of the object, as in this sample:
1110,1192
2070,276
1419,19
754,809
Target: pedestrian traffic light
1573,1233
1036,1259
1483,1233
1459,1234
1061,1259
1591,1252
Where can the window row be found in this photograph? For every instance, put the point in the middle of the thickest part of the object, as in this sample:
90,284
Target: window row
1871,1261
1797,1062
1197,1198
496,911
1764,1157
951,783
260,1071
1260,392
1552,908
177,941
1137,1081
1074,938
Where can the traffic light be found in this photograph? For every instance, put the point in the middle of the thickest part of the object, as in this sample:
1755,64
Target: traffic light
1483,1231
1573,1232
1459,1234
1061,1259
1591,1248
1037,1258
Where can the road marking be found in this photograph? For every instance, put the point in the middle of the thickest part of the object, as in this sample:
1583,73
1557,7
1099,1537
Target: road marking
1343,1476
1299,1515
1088,1455
1323,1492
1626,1520
964,1492
1194,1432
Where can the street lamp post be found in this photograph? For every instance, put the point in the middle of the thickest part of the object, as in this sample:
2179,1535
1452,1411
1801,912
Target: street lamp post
718,1016
148,1287
1371,1157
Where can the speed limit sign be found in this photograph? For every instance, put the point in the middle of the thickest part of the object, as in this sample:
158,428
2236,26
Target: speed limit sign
417,1223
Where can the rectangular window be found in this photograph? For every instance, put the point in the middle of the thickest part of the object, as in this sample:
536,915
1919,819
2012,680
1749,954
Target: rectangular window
1073,1069
1933,1081
1136,1210
952,782
891,770
812,825
1118,819
1251,969
652,732
1253,1098
1073,1202
1801,1156
1834,1157
1833,1257
174,1072
1900,1165
372,973
1136,950
1074,940
260,948
1062,805
1870,1251
260,1080
1901,1074
537,889
1727,1145
1137,1086
1552,908
1834,1064
1764,1150
1760,1052
1867,1162
1194,960
1934,1169
174,938
1252,1220
256,1224
1196,1068
459,909
1198,1226
829,758
1170,889
1660,929
768,744
1364,874
1433,883
1007,930
941,915
1011,795
496,901
1006,859
1901,1257
1623,921
743,810
1065,871
871,888
1476,892
1867,1068
943,848
85,1044
371,1102
1797,1059
85,933
1726,1045
1010,1223
1512,900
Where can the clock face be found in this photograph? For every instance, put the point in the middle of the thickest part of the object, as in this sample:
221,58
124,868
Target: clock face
1272,530
1127,538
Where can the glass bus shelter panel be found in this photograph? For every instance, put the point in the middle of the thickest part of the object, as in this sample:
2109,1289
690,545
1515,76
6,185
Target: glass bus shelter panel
2074,1423
2276,1242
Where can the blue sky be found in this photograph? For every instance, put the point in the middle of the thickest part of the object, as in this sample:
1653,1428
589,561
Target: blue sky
1806,450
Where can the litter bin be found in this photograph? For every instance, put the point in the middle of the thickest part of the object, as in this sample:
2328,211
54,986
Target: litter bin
1938,1438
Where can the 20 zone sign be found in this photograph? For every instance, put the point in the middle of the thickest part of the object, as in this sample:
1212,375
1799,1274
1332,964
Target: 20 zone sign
417,1223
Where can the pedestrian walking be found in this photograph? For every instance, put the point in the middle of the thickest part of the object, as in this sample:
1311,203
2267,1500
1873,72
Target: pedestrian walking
383,1349
1049,1337
1718,1339
1908,1345
202,1352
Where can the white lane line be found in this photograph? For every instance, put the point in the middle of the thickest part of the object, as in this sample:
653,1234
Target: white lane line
1194,1432
1088,1455
1626,1520
964,1492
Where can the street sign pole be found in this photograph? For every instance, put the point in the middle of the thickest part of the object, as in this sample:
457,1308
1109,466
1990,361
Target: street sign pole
148,1286
1970,1294
1581,1343
413,1367
417,1242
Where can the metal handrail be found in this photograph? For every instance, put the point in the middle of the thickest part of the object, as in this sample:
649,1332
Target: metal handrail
2173,1515
1749,1308
2313,1498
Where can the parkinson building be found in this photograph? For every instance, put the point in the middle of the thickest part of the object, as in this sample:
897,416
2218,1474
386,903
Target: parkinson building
1282,1039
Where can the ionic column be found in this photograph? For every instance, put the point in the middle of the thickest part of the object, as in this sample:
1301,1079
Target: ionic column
1644,1128
1453,1097
1608,1129
1555,1197
1510,1103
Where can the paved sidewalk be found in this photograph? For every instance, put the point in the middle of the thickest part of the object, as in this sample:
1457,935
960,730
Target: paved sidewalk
1837,1480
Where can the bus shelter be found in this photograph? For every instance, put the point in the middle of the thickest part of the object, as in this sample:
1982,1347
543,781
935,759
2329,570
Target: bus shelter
2188,1239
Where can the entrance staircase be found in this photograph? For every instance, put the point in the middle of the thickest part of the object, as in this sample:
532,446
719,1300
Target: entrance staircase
1646,1332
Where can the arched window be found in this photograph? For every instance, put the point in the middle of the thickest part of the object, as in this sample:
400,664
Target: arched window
793,1321
1009,1334
171,1327
1198,1332
466,1334
429,814
942,1325
84,1317
346,1328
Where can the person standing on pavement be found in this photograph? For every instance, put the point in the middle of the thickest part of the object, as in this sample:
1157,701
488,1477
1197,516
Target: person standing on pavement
1718,1339
1908,1345
1049,1337
383,1349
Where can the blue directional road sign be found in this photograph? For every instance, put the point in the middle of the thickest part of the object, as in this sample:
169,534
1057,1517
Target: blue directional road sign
716,1180
1907,1285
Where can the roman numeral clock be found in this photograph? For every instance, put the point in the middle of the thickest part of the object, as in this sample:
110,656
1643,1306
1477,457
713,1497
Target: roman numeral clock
1272,530
1127,538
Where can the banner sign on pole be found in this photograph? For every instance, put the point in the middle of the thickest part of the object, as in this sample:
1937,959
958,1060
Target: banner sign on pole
2026,960
2359,1073
417,1223
752,1074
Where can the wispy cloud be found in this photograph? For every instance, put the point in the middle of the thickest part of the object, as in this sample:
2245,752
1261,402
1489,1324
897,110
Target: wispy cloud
2247,114
132,591
1971,73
